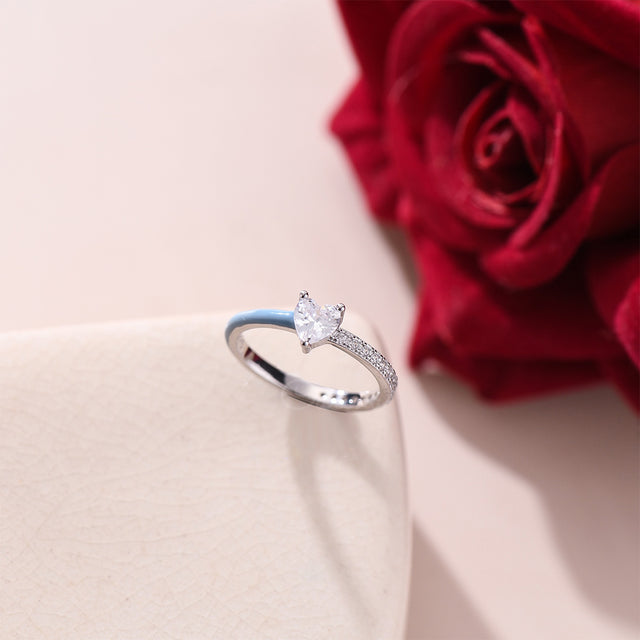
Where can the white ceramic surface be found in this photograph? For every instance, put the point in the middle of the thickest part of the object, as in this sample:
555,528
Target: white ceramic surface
152,487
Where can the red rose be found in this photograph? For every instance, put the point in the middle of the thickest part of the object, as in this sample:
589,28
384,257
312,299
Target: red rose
504,138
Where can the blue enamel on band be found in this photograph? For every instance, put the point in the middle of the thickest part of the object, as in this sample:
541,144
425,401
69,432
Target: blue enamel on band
260,317
315,326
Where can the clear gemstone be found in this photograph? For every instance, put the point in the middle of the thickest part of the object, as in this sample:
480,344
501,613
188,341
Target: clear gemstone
313,322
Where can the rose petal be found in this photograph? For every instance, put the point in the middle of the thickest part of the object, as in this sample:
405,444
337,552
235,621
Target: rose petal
619,204
358,125
477,204
551,250
540,81
420,46
627,322
429,28
436,219
553,168
543,47
448,169
494,378
613,26
601,94
370,24
613,269
420,43
526,73
626,377
429,210
522,113
442,175
476,318
493,148
482,58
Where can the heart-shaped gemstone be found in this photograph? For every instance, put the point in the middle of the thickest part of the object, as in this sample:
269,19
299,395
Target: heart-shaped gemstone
315,323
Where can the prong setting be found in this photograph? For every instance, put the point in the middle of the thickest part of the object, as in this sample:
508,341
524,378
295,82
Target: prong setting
314,324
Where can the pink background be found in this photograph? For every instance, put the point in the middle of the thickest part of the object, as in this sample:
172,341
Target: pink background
172,157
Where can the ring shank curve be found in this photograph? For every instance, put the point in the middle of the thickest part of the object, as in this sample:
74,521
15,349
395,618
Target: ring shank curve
315,394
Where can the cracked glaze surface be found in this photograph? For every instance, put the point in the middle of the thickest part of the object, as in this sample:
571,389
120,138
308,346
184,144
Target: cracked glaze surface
142,496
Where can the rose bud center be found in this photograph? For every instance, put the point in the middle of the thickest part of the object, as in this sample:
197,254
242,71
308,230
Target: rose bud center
498,158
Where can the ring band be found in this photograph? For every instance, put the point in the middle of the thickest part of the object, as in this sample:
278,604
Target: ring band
315,326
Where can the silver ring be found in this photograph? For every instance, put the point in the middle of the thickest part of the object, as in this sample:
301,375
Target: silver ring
315,326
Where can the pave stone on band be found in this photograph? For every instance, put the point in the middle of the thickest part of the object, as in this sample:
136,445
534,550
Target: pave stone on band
315,326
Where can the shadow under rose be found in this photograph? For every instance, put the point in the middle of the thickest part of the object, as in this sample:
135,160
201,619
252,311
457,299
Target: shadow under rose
438,607
580,452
